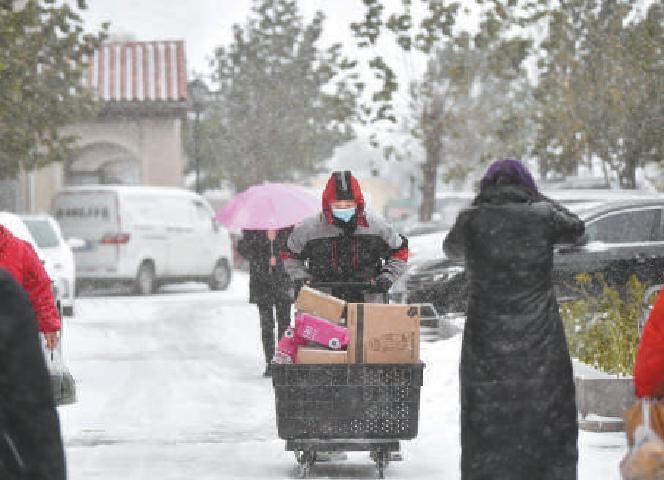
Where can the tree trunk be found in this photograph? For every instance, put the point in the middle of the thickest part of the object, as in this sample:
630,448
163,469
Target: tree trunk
543,167
628,175
433,149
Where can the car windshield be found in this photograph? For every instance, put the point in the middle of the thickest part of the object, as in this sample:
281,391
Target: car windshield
43,233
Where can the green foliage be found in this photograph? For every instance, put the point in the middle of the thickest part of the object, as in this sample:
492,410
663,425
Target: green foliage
436,26
283,102
602,328
43,52
601,91
472,103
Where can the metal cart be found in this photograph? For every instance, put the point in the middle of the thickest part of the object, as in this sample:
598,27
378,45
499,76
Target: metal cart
348,407
352,407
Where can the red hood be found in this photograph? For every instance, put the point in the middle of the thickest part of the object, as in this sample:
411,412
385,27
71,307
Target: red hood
330,195
5,236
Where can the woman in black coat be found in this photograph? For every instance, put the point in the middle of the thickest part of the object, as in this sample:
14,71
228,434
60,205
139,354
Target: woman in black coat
30,440
518,411
270,287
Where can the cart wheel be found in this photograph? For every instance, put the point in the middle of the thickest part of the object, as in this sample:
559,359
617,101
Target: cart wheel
303,470
380,457
305,460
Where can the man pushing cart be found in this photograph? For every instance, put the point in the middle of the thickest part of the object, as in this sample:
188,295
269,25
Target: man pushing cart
355,256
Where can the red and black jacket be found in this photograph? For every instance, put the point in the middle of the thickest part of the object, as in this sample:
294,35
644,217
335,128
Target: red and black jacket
323,249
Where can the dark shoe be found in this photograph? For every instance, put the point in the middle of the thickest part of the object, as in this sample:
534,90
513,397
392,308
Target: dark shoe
268,370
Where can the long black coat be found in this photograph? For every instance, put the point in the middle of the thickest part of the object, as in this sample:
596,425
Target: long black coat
267,286
29,424
518,411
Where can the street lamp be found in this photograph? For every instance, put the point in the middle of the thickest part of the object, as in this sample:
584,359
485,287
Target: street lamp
198,94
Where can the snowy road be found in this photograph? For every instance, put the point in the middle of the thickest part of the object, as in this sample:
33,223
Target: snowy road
169,387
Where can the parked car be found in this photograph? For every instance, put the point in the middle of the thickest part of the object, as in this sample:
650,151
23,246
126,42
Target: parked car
426,246
144,236
448,205
622,238
50,241
64,387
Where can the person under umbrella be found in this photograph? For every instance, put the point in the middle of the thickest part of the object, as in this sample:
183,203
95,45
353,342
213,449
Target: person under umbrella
270,287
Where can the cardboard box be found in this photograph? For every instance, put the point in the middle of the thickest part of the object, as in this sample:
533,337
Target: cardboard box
321,304
317,355
382,333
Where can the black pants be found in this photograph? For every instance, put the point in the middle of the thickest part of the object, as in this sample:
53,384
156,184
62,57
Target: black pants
266,312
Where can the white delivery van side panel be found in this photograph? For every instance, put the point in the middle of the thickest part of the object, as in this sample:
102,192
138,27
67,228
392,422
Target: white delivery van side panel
205,234
215,257
144,217
124,227
182,241
222,240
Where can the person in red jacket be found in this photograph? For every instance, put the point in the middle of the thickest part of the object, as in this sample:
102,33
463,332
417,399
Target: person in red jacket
649,365
21,261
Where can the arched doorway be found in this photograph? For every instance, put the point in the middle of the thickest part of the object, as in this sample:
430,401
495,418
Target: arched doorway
103,163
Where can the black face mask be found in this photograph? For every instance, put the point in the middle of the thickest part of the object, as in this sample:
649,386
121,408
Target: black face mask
348,227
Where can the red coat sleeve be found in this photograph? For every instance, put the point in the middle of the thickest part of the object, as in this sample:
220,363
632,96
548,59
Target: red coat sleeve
649,365
37,284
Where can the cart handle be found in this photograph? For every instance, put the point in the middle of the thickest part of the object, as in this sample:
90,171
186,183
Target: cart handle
368,287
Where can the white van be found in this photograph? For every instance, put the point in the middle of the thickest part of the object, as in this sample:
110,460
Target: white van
144,235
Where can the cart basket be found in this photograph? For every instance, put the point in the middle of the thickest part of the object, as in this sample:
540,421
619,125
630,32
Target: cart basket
349,401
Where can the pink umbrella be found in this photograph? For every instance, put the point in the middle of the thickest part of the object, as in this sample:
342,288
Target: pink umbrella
269,206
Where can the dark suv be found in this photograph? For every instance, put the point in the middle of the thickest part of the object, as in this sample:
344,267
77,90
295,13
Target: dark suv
622,238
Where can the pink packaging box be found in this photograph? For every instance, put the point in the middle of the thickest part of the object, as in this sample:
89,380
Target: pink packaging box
320,331
286,351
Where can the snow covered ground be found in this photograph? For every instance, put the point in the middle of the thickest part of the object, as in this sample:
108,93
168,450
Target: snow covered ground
169,388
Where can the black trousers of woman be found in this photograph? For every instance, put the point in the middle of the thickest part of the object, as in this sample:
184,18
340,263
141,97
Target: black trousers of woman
266,312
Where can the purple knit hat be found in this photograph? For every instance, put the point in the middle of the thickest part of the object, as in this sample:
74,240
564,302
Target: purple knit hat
508,171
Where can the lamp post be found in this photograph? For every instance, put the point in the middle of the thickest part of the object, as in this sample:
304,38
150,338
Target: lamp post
198,94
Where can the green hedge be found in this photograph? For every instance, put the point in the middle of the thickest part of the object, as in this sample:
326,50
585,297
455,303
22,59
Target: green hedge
602,329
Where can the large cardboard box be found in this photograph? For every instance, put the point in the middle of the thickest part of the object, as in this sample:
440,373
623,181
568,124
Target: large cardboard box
312,301
382,333
317,355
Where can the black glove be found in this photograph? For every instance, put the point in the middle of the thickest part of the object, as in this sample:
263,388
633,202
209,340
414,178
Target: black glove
303,280
383,283
298,283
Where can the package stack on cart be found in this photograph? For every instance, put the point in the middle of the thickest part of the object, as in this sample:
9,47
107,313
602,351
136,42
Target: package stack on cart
327,330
